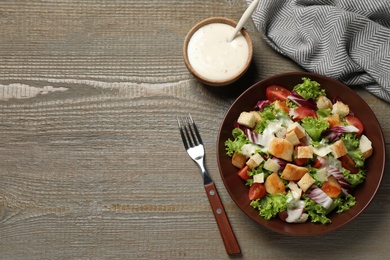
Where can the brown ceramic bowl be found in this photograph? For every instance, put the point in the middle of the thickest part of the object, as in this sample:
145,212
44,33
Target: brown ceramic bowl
200,77
363,193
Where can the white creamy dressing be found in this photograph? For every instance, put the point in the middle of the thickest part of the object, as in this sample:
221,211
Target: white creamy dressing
295,212
212,56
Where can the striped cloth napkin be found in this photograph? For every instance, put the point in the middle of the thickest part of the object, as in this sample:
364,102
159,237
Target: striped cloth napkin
348,40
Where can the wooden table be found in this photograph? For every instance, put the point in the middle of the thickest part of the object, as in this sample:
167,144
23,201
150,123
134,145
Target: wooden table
92,166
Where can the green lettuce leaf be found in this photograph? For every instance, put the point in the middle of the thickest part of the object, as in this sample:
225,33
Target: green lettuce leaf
344,204
309,89
235,145
270,205
354,179
351,142
268,114
314,127
316,212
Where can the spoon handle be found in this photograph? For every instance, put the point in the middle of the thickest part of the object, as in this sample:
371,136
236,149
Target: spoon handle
244,18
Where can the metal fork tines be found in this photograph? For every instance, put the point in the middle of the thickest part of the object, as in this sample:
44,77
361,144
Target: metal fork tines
194,146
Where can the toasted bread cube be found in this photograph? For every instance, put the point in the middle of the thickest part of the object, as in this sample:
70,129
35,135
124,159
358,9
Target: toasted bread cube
254,161
281,105
292,138
273,184
257,115
298,129
238,160
247,119
333,120
281,148
324,102
340,108
305,182
271,165
258,178
338,149
305,151
365,146
293,172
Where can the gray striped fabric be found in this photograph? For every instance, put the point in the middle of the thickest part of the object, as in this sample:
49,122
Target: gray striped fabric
348,40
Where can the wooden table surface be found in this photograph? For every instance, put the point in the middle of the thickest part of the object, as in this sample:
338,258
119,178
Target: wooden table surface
91,161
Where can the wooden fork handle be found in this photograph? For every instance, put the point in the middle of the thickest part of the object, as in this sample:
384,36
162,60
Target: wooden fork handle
229,239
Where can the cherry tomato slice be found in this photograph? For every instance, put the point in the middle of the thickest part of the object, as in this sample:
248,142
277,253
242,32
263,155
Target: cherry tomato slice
257,191
331,187
348,163
303,112
353,120
317,164
283,215
275,92
243,173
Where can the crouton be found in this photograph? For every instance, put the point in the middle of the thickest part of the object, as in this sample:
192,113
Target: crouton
298,129
305,151
238,160
305,182
340,108
281,148
324,102
333,120
293,172
257,115
247,119
273,184
254,161
292,138
338,149
365,146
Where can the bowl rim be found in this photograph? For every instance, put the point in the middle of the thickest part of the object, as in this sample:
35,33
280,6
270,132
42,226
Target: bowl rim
326,228
217,83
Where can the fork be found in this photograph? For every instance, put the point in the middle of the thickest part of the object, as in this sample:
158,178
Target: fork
195,149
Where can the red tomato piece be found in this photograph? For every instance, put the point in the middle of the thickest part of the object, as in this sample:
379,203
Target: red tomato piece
317,164
275,92
300,161
283,215
353,120
243,173
303,112
348,163
331,187
257,191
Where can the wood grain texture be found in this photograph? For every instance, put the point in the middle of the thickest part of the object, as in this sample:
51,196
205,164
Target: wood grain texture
92,166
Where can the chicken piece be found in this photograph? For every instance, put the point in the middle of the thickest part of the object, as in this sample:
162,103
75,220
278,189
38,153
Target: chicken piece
293,172
281,148
273,184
